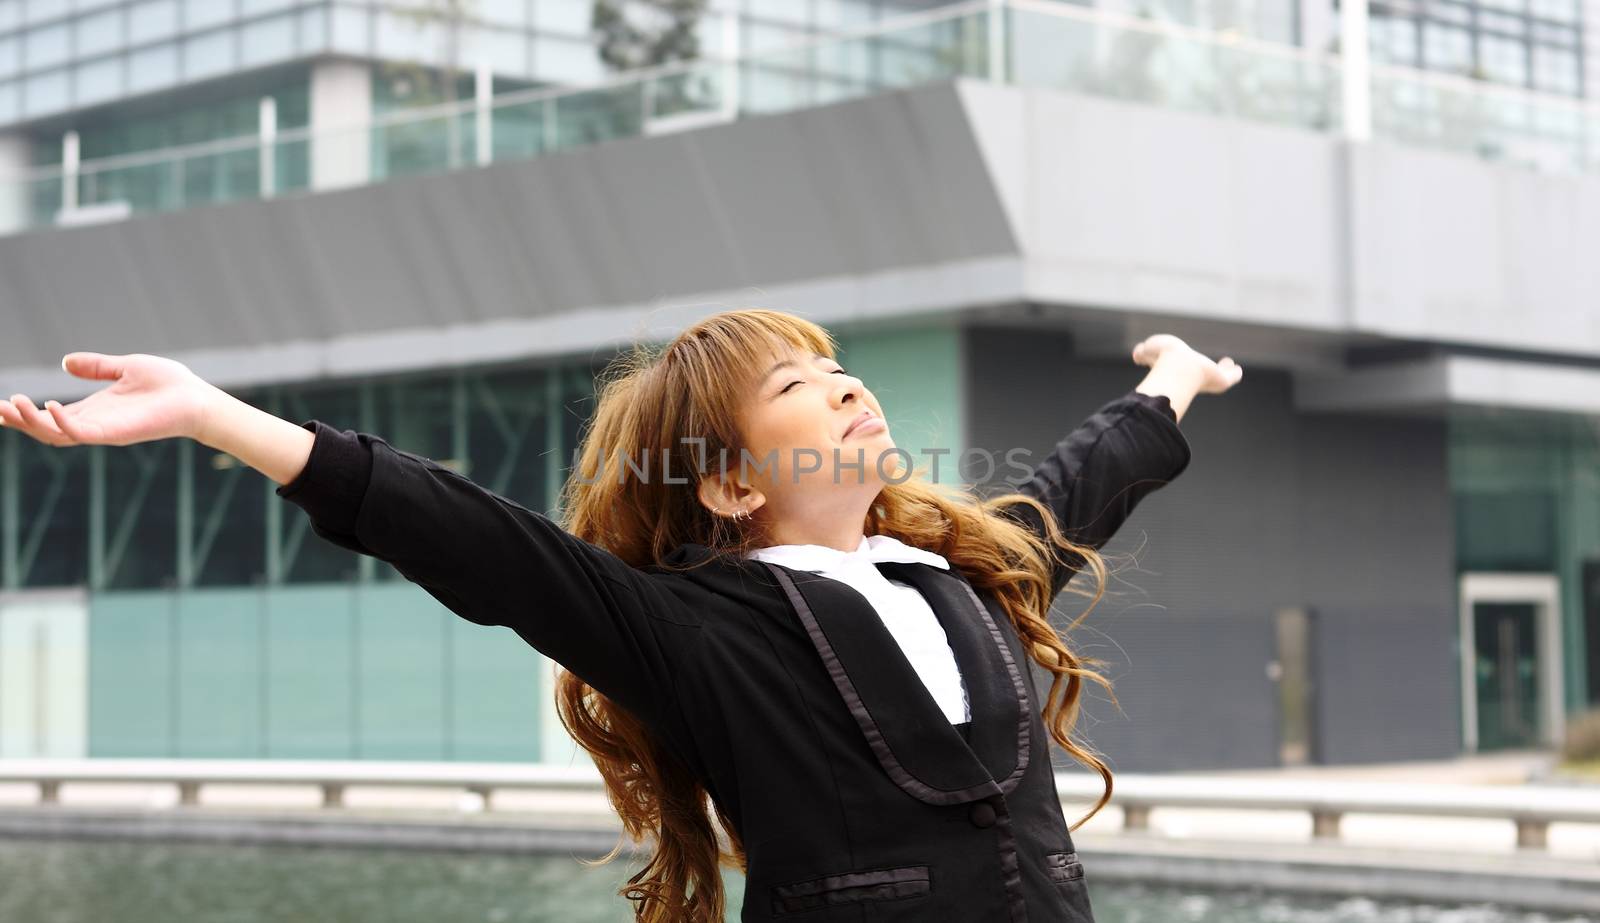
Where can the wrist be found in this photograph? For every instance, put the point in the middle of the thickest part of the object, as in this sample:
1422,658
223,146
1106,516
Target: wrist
1182,360
213,406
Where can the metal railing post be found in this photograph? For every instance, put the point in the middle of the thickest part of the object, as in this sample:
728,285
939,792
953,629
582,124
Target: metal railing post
483,96
267,122
1355,70
69,171
997,41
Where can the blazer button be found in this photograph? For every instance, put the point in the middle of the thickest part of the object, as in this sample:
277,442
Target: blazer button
982,814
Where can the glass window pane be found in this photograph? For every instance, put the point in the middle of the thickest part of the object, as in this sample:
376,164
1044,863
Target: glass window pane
567,62
1505,60
1551,33
45,92
152,20
10,60
507,51
759,38
407,39
350,30
45,46
1562,10
313,30
208,54
10,13
98,81
779,10
268,40
252,7
40,10
1555,70
8,100
842,14
504,12
198,14
152,67
1394,40
570,17
1446,48
1500,22
98,33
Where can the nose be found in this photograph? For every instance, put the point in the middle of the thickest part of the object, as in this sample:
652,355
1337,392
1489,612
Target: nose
849,389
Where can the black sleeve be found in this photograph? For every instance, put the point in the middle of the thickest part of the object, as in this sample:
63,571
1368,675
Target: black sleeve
1095,476
494,562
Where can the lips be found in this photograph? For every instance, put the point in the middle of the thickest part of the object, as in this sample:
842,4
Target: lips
865,415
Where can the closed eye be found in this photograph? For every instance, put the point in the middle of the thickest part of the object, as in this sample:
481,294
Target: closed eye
802,381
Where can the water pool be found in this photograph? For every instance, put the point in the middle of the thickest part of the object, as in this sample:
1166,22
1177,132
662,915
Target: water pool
79,881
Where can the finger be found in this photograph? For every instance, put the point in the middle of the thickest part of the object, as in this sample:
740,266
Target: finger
92,365
63,421
38,424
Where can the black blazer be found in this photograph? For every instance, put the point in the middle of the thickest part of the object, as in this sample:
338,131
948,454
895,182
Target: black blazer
854,796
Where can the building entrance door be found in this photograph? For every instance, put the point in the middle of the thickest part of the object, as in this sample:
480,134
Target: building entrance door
1511,661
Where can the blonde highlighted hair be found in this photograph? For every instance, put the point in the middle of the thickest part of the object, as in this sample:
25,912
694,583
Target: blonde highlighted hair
695,386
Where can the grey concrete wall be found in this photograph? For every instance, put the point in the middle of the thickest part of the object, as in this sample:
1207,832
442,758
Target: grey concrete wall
1141,208
1346,515
872,208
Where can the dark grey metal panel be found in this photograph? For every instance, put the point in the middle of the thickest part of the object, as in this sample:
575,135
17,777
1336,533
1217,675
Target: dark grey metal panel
1345,515
881,184
1378,546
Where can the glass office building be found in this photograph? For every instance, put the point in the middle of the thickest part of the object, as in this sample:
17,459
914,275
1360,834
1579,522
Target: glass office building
163,602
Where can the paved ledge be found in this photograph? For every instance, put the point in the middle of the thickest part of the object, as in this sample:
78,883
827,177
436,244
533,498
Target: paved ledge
1530,882
413,830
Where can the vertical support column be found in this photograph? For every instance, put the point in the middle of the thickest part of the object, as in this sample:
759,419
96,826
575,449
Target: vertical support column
185,513
10,509
997,41
275,405
97,517
367,395
267,122
483,96
14,171
69,171
1356,72
731,72
341,124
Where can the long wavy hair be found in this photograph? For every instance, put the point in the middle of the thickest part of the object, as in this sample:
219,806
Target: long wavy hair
695,386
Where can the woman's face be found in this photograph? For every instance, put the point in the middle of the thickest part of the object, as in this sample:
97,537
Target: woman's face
794,425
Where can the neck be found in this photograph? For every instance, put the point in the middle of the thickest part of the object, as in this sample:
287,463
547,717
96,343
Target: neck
839,528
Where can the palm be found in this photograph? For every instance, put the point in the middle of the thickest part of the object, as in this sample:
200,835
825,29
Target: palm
149,397
1220,375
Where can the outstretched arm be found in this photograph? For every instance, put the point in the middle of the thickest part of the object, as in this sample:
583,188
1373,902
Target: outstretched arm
488,559
485,557
1097,474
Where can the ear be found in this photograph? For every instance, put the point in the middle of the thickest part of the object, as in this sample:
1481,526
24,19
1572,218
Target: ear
715,493
721,491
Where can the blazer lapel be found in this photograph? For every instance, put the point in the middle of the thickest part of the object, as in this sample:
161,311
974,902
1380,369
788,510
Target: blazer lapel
905,728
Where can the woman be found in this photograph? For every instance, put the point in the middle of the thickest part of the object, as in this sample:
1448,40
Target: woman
761,616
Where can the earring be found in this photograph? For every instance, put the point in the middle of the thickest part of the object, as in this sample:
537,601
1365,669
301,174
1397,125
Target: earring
741,514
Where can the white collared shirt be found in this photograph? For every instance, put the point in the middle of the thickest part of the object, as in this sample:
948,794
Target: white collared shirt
899,605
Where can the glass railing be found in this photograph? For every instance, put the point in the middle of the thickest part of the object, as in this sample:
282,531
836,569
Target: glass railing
1495,122
1103,53
1036,43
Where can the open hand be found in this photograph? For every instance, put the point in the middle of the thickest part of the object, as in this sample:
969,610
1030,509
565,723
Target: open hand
149,398
1217,376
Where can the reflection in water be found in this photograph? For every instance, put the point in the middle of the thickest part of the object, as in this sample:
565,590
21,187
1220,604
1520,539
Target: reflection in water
61,881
